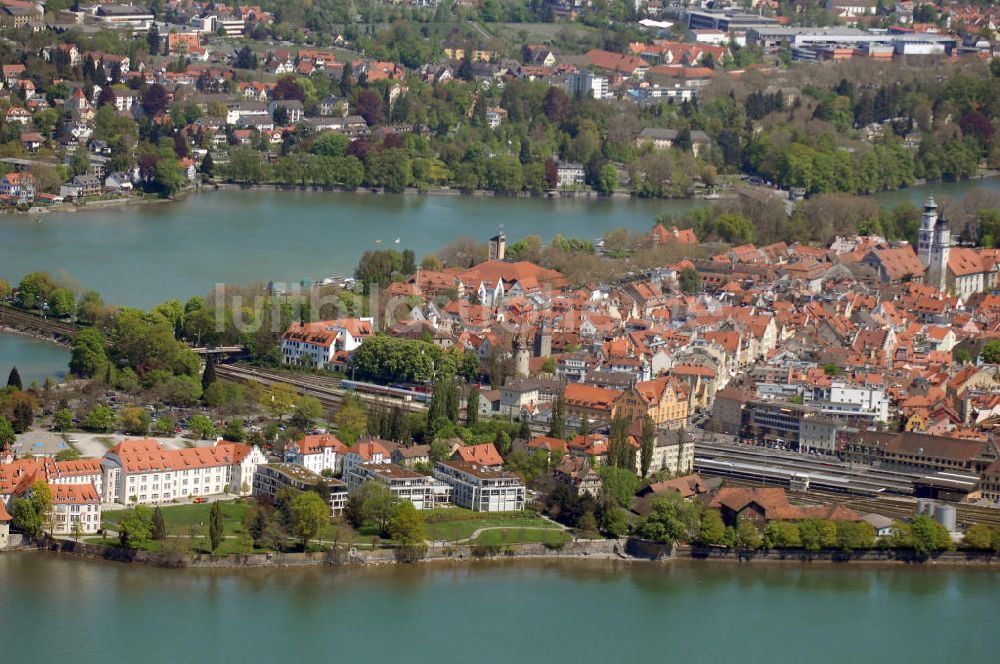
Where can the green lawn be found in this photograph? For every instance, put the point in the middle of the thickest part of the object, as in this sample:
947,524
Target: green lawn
518,536
179,519
458,524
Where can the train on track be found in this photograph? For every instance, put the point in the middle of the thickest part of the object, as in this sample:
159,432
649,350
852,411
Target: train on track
397,392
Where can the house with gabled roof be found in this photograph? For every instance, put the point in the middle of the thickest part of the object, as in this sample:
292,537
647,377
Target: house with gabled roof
317,344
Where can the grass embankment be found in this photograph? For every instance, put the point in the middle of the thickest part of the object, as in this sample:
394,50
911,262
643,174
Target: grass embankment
456,524
187,530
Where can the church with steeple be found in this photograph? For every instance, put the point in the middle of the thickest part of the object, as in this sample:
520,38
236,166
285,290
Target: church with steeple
934,245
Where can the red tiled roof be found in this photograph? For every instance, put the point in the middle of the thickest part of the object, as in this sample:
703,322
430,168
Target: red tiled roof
485,454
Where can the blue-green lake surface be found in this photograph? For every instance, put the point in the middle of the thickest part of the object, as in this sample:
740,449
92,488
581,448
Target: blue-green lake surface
60,609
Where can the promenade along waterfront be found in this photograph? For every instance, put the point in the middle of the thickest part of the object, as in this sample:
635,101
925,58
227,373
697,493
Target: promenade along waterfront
554,611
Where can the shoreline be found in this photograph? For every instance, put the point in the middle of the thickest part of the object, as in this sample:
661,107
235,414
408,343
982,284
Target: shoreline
38,336
626,550
444,191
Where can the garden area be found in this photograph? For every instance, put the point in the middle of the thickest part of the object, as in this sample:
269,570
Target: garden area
457,524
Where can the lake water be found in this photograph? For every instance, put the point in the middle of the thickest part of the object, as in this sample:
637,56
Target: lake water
62,609
34,359
142,255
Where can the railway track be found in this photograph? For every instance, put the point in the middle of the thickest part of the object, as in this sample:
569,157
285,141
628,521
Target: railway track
324,389
23,320
894,507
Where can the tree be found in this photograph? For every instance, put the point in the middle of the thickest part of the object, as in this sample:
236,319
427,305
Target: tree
713,530
288,87
816,534
607,179
614,521
747,536
978,537
350,419
156,99
233,431
557,427
646,444
670,519
201,427
89,353
107,97
62,303
781,535
279,399
854,535
255,521
34,290
135,527
373,502
308,409
169,177
63,419
208,377
14,379
25,518
991,352
620,453
619,484
215,526
153,39
134,421
472,408
21,406
309,514
79,162
159,527
245,58
369,106
690,280
928,536
164,426
100,419
406,525
207,167
7,435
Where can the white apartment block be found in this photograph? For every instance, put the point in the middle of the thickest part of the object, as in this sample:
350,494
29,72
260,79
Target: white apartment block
369,451
423,491
75,503
479,489
271,478
316,344
317,453
142,471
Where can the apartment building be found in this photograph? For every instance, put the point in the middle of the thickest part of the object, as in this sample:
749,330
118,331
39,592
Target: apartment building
423,491
75,503
269,479
316,344
481,489
317,453
143,471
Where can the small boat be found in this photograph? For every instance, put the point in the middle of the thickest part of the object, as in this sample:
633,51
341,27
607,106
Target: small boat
378,241
397,240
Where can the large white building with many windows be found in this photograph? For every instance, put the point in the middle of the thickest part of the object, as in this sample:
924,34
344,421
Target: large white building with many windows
423,491
317,344
481,489
142,471
317,453
72,504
